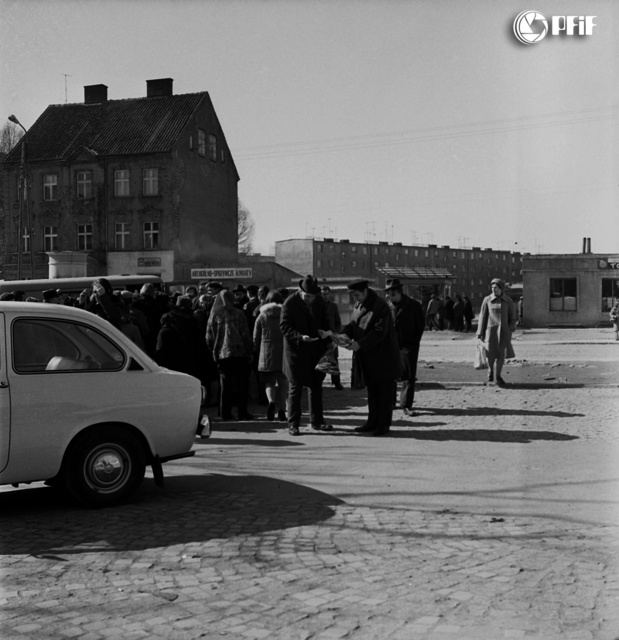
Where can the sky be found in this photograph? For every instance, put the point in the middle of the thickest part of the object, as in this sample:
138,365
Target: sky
419,121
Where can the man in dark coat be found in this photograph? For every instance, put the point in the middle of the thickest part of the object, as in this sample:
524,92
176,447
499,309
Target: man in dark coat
409,324
303,316
376,346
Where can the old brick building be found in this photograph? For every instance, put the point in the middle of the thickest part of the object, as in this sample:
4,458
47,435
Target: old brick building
142,186
445,269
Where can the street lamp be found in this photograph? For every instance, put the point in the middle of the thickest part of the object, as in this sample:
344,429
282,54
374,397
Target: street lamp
23,205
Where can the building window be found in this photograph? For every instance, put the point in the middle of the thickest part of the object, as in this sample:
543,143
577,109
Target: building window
84,185
318,264
222,155
26,240
343,269
365,251
50,186
397,257
416,252
201,142
150,182
212,147
343,254
190,143
353,264
563,294
386,251
427,253
121,235
319,248
353,249
84,237
50,238
331,248
610,293
151,235
121,183
406,252
331,264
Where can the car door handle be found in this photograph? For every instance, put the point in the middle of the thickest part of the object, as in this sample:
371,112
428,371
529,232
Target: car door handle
4,385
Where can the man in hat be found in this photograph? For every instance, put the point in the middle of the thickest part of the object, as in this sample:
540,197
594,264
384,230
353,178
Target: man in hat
240,297
52,296
375,347
303,315
409,324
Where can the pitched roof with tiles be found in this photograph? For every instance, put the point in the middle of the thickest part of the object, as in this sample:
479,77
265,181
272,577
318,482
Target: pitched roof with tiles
114,127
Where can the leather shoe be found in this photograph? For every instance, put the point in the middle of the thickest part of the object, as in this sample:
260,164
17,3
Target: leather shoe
378,433
293,430
365,428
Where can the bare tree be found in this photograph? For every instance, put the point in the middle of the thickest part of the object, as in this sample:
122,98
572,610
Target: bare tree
10,134
245,229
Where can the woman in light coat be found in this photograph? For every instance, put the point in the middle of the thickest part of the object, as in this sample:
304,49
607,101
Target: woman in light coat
497,320
269,346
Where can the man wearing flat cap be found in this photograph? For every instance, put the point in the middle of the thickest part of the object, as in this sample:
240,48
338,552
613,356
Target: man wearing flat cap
303,316
409,322
375,348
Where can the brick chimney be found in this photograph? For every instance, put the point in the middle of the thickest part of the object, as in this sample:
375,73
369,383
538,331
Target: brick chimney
158,88
95,93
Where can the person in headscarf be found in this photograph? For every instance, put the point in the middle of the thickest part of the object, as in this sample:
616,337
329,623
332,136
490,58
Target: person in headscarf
497,320
228,338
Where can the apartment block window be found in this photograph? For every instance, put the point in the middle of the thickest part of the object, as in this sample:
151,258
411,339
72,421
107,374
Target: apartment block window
121,235
50,238
150,182
331,263
427,253
318,264
222,155
151,235
121,183
610,293
50,186
190,143
353,264
405,251
331,248
343,254
397,257
365,251
201,142
212,147
416,252
353,249
26,240
563,294
84,185
386,251
84,237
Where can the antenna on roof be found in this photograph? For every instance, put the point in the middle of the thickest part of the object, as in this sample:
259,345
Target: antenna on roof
66,75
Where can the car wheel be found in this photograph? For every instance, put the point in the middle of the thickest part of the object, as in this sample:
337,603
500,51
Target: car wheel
104,467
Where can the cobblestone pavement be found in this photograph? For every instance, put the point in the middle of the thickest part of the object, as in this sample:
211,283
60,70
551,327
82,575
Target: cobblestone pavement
491,514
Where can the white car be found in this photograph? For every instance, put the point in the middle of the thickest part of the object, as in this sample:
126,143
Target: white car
83,406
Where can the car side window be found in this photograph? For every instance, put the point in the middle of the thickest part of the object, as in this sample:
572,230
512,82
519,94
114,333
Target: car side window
42,345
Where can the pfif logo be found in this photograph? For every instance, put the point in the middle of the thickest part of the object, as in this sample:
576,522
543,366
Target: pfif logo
531,26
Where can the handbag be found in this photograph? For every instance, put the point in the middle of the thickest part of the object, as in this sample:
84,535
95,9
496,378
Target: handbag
481,360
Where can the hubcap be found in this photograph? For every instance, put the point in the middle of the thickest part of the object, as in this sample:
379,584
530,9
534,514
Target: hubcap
107,468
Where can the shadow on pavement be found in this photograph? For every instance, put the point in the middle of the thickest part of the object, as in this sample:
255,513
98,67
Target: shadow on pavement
44,522
478,435
494,411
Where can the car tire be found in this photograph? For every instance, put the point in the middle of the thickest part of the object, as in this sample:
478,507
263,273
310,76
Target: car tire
104,467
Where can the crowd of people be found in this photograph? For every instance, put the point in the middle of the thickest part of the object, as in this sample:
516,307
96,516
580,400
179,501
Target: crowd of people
269,345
